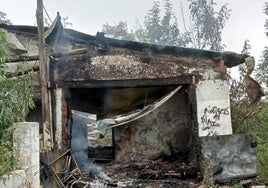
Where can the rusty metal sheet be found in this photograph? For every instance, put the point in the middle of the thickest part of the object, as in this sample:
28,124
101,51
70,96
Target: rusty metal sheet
233,155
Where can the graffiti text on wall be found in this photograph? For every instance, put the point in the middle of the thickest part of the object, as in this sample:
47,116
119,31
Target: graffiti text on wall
212,115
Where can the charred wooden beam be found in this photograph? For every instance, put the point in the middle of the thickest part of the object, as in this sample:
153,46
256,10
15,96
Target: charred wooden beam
181,80
71,52
36,57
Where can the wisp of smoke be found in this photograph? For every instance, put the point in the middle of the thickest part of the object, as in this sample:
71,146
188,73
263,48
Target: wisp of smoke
79,146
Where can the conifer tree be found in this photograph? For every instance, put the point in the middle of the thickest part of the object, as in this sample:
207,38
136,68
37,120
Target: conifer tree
119,30
153,23
207,24
4,19
262,68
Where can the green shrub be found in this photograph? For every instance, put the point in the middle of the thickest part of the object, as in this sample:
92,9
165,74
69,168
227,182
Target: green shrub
257,124
15,100
260,130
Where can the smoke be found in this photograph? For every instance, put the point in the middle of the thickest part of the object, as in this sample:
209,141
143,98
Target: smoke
89,167
80,143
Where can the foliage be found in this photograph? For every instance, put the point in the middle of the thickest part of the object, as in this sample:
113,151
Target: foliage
254,120
237,87
163,28
119,30
251,119
260,129
242,68
155,29
7,161
3,19
207,172
166,27
65,22
152,23
207,24
139,33
15,101
256,123
170,33
262,68
266,21
259,122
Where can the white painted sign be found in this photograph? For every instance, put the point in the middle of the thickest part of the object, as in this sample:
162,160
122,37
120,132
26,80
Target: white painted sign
213,108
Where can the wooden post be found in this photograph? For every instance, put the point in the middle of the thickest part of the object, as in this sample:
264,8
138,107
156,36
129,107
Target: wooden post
44,80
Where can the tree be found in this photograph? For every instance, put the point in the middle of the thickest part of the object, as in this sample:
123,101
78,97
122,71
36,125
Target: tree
3,19
242,68
166,23
206,33
139,33
262,68
163,30
155,29
152,23
207,24
170,33
119,30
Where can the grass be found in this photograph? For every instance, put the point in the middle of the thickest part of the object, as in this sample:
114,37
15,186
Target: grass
260,130
256,124
8,161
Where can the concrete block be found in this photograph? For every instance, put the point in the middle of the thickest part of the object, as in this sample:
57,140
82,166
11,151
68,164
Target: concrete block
16,179
26,147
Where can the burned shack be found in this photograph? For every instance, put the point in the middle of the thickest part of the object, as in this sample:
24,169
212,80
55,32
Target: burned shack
156,102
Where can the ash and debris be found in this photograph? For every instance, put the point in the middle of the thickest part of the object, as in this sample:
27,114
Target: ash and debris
129,66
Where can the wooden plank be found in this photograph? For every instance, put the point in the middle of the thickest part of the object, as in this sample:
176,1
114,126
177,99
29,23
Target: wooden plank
43,60
70,52
25,66
179,80
23,58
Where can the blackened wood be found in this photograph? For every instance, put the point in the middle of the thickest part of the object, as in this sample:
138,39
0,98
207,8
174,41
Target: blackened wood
71,52
179,80
101,153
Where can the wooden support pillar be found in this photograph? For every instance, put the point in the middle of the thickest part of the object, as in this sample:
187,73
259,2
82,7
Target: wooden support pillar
44,81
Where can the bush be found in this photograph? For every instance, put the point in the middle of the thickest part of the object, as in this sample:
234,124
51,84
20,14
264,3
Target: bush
15,100
251,119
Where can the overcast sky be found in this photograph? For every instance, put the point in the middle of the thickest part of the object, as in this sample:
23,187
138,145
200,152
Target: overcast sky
246,21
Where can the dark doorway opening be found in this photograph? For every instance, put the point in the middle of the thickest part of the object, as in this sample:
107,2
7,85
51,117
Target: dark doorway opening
163,134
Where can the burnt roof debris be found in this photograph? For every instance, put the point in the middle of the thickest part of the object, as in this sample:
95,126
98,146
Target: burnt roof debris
56,33
232,59
20,28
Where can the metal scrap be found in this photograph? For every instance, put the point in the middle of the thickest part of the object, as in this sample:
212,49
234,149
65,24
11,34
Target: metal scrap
70,174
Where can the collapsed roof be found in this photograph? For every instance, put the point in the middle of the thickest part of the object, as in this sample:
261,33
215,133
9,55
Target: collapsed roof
111,59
